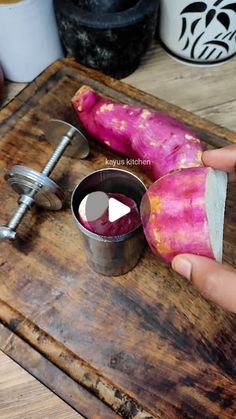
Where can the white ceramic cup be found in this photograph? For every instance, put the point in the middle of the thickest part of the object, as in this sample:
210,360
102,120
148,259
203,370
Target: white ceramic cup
29,40
200,32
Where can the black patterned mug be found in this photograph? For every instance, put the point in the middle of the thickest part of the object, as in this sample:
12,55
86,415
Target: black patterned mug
199,32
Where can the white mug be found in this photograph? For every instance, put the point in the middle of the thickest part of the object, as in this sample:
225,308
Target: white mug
200,32
29,40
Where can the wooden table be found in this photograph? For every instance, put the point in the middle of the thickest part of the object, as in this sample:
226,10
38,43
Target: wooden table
209,92
22,396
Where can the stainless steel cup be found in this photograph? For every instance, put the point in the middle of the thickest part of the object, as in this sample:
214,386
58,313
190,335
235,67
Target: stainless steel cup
116,255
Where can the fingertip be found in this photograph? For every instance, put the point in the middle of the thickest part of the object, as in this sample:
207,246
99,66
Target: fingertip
182,265
221,158
215,281
210,158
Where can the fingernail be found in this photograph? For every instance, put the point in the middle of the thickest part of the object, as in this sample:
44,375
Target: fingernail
182,266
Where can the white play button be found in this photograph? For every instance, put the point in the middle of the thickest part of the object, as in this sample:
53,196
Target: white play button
117,210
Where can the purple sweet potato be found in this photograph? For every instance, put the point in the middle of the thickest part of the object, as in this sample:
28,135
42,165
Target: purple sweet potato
139,133
183,212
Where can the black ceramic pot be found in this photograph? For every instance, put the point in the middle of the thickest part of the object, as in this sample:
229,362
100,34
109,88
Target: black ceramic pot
109,35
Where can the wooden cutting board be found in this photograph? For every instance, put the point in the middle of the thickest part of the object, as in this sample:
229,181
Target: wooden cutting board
142,345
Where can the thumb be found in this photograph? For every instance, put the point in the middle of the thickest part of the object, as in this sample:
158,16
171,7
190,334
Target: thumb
215,281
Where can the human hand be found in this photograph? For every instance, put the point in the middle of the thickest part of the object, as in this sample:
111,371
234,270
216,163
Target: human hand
215,281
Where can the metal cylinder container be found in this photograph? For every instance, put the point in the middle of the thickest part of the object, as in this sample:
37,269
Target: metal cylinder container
113,255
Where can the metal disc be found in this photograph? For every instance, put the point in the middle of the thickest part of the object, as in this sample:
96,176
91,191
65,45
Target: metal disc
56,129
45,192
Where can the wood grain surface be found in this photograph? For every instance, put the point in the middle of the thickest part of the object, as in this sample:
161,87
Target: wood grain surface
146,344
37,402
50,375
207,91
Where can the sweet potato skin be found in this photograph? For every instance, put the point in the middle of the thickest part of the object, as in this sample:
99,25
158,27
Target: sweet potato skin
124,225
139,133
174,215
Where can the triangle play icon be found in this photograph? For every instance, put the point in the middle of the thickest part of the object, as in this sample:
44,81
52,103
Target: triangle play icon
117,210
